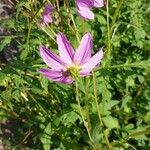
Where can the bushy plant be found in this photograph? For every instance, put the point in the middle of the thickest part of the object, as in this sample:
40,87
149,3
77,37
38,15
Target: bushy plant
108,109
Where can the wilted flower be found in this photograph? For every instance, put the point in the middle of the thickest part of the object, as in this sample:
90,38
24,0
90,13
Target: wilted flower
70,65
84,6
46,15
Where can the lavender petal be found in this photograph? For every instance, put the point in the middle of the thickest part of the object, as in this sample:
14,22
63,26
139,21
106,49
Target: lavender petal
46,16
57,76
98,3
65,49
84,73
51,59
83,8
93,61
83,52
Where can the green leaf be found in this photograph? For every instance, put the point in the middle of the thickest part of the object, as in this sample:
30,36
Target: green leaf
67,119
5,42
24,54
97,135
44,83
2,76
130,82
101,19
110,122
46,137
139,34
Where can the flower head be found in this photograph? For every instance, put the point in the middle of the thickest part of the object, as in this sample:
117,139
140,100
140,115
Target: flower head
46,15
84,6
70,65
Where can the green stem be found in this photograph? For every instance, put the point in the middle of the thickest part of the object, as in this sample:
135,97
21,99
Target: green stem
132,135
147,131
30,24
24,139
96,99
81,113
73,21
48,33
108,48
52,31
130,65
28,34
39,105
36,13
115,16
76,29
98,111
10,36
12,113
135,65
86,105
57,4
139,91
110,29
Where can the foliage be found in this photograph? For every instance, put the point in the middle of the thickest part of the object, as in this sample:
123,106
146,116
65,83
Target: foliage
39,114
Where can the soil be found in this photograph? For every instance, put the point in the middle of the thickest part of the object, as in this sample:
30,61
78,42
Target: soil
7,11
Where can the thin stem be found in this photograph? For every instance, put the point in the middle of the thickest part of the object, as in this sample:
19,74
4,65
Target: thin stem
86,105
57,4
115,16
39,105
110,29
132,135
48,33
136,65
10,36
81,113
24,139
30,24
28,34
12,113
51,30
96,99
131,146
108,25
36,13
73,21
75,27
99,114
139,91
142,65
146,131
108,52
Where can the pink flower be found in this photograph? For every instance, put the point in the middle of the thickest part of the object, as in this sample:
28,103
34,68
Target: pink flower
46,16
84,6
69,65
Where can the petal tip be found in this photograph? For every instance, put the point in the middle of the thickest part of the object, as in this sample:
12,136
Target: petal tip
41,47
60,34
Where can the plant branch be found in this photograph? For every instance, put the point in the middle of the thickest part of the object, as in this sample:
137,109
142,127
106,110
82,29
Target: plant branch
98,111
81,113
142,64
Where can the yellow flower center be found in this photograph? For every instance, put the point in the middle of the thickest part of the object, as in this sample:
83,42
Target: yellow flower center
74,71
